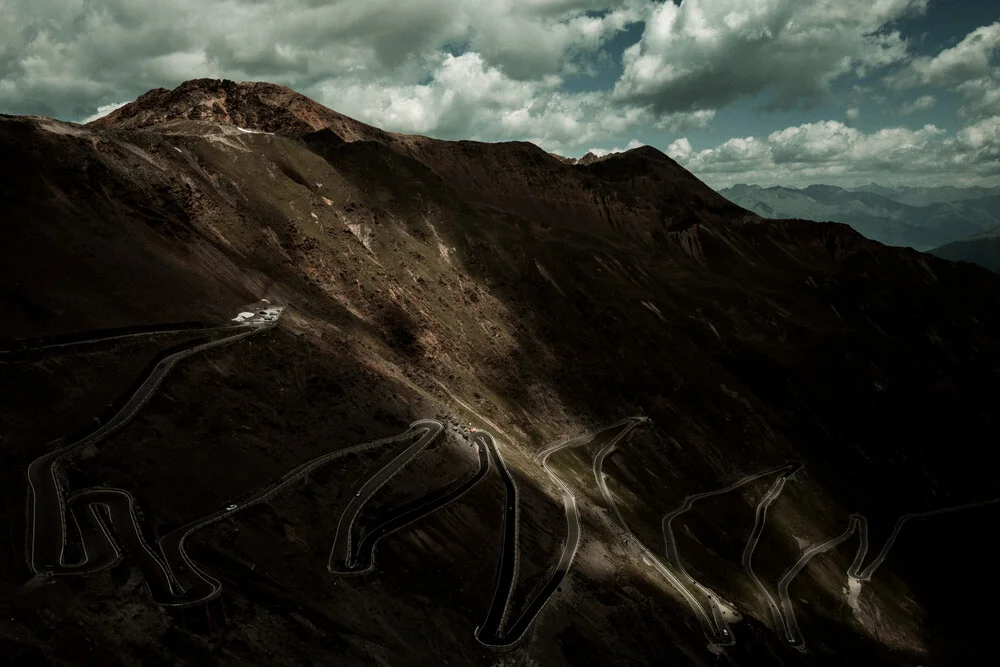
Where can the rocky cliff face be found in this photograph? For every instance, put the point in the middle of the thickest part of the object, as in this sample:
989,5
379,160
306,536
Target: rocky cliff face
517,293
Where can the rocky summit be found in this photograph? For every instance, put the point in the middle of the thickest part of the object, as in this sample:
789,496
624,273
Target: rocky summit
280,387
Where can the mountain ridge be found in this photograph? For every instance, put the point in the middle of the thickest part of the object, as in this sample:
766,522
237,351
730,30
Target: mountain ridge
549,192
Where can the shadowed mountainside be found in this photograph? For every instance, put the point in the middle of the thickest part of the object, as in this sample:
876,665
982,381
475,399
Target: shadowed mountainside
519,293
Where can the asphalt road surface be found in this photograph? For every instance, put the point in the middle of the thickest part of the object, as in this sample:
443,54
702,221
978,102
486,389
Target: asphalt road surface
713,624
341,552
364,552
857,524
760,516
48,506
198,586
717,630
105,519
489,632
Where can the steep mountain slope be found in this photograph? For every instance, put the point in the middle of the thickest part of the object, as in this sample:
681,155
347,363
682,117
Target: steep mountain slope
528,297
883,214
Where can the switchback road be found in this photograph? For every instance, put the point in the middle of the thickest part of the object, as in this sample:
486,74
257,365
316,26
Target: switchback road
341,552
106,522
855,574
783,611
713,625
48,517
496,632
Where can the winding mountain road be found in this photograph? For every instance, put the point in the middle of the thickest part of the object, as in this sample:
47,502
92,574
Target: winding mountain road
364,551
22,349
341,552
673,556
782,610
105,519
714,626
48,516
495,632
760,516
855,573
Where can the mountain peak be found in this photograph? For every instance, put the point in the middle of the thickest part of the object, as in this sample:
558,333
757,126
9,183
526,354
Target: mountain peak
646,151
515,176
256,105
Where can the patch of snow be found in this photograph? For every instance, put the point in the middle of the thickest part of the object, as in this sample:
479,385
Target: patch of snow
243,317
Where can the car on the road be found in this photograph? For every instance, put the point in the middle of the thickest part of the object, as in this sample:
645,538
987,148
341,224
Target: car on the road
231,507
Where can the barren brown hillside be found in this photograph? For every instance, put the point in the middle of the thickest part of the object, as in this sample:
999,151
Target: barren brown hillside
498,287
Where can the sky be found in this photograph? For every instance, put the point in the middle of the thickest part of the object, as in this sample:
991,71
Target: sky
768,92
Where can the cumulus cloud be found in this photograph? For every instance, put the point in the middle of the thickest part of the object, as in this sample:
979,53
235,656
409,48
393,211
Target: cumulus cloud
972,58
982,96
525,38
922,103
601,152
512,69
451,68
103,111
706,53
832,152
969,68
680,149
467,98
66,58
981,139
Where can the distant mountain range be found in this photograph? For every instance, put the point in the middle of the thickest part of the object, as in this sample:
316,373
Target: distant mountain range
921,218
982,249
